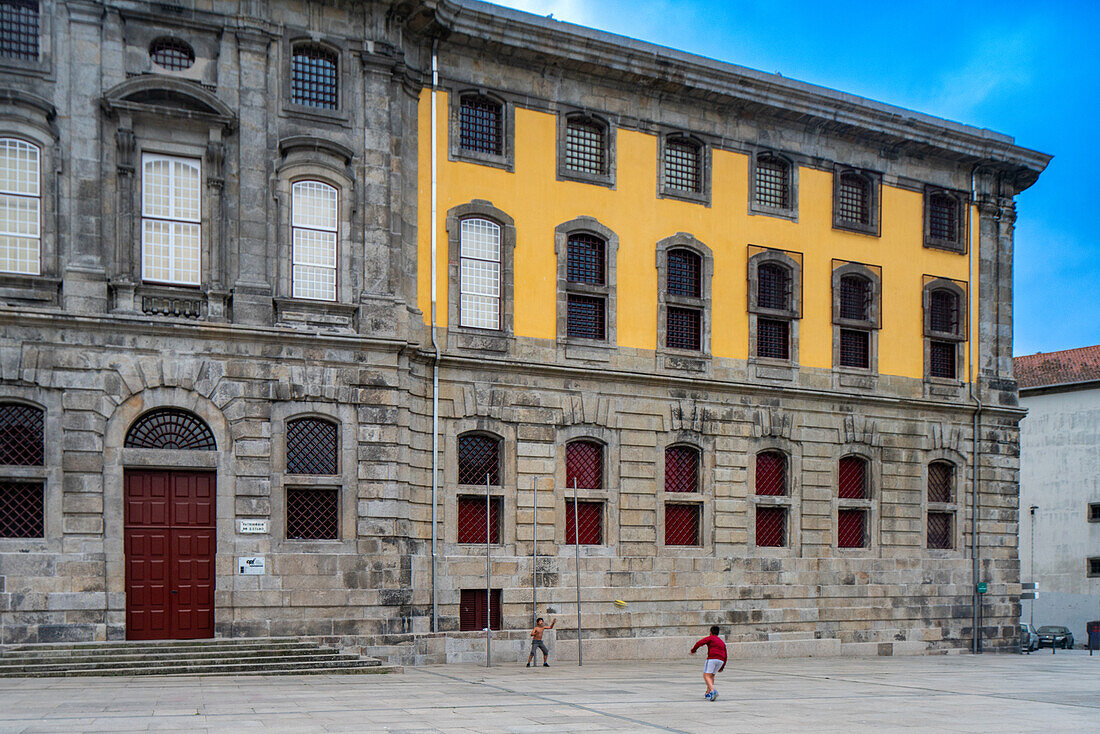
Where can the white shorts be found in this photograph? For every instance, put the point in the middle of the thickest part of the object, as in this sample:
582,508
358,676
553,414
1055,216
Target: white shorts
711,666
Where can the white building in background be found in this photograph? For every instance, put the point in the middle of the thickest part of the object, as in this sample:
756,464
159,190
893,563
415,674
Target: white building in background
1060,486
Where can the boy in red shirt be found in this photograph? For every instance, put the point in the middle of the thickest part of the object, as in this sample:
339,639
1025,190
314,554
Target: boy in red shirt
716,660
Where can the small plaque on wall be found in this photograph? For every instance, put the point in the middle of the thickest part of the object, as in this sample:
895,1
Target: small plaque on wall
252,526
251,565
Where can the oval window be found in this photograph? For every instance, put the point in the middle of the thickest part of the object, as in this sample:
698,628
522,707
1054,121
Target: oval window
172,54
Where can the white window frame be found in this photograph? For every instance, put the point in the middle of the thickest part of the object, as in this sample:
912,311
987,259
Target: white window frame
304,227
174,219
466,265
16,198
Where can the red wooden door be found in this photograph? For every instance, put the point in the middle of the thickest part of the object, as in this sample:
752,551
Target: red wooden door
169,544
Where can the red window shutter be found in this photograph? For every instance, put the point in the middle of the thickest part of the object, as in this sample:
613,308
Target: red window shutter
584,464
851,530
472,610
681,524
853,478
681,469
471,519
589,523
771,527
771,474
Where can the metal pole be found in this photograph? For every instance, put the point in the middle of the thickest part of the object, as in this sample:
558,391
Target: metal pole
488,580
1032,572
535,553
577,550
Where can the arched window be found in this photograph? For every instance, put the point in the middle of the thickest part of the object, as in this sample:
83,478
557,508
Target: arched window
584,469
940,522
22,444
478,459
856,296
314,228
683,165
682,476
22,435
312,446
773,182
585,146
479,274
171,53
944,311
774,289
853,510
944,332
313,76
681,469
771,474
20,207
170,428
19,29
685,273
773,293
772,515
586,276
481,125
171,215
684,328
478,464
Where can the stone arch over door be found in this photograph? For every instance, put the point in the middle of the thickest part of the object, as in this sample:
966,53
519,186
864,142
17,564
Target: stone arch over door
117,459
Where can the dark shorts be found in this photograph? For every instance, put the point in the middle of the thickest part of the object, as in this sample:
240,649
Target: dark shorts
539,645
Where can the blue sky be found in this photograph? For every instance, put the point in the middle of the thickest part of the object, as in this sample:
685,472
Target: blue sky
1027,69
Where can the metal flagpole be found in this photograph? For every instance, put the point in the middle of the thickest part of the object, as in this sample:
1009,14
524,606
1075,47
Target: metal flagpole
488,581
577,549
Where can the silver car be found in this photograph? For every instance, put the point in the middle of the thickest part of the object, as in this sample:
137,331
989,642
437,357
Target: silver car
1029,640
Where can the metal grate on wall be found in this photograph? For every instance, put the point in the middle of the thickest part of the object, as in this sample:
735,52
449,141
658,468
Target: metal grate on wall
685,269
585,261
478,459
681,469
588,529
773,339
771,527
771,474
773,287
586,317
851,529
855,298
853,203
22,510
683,166
684,329
681,524
22,435
941,478
19,29
941,532
852,474
172,54
773,182
584,465
855,348
313,77
941,359
312,514
170,428
585,146
481,125
311,446
471,519
944,311
943,217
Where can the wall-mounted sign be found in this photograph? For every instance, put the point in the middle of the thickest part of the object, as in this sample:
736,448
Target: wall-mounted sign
983,587
252,526
251,565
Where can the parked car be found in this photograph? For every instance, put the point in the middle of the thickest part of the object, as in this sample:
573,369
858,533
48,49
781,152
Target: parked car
1055,636
1029,640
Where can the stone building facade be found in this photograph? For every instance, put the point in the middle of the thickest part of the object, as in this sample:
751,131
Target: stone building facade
226,347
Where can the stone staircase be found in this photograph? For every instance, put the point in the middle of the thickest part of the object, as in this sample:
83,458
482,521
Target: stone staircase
253,656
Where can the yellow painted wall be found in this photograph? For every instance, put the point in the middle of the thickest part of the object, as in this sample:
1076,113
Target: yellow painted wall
538,203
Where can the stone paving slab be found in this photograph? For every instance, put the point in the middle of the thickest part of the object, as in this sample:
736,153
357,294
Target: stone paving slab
1003,693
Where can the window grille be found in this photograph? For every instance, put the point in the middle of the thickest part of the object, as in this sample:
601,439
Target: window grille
685,328
853,205
851,530
941,480
853,478
585,260
22,435
471,519
683,165
944,316
773,339
940,530
681,524
681,469
19,29
481,125
585,146
773,182
585,317
478,458
170,428
771,527
172,54
855,348
584,465
685,274
170,220
22,510
314,232
475,612
773,287
312,514
855,298
313,77
20,207
941,359
943,218
771,474
312,446
479,274
588,529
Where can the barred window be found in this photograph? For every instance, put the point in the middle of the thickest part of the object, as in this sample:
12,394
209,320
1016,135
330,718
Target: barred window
170,428
941,480
855,348
478,609
19,29
478,459
586,260
681,469
312,446
944,311
771,474
941,516
171,53
22,435
853,478
855,298
851,529
853,204
20,207
773,182
472,522
942,358
943,218
586,317
479,274
685,328
773,288
170,220
584,465
941,530
312,514
682,524
683,165
313,76
585,146
685,273
22,509
314,233
773,338
583,522
481,125
771,526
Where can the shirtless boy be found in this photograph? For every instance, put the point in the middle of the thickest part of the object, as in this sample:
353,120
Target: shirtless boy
538,644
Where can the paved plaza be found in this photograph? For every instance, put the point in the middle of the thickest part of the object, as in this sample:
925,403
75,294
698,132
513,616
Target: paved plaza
1001,693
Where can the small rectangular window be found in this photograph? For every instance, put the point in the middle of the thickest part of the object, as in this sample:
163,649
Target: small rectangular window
19,29
941,533
471,519
476,607
683,167
22,510
585,318
855,348
685,328
773,183
1093,569
312,514
1094,512
313,77
851,530
682,524
584,147
481,125
773,339
941,359
588,527
771,527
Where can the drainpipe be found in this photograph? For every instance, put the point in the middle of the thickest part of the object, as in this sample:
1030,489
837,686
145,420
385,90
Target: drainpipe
435,343
975,243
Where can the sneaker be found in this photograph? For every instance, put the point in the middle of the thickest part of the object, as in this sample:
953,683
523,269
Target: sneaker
528,665
707,695
546,665
714,695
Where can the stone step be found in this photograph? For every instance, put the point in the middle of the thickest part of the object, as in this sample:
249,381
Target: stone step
340,667
111,665
152,657
219,643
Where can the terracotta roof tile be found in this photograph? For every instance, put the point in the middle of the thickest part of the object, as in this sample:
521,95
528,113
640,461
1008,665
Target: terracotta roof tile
1058,368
